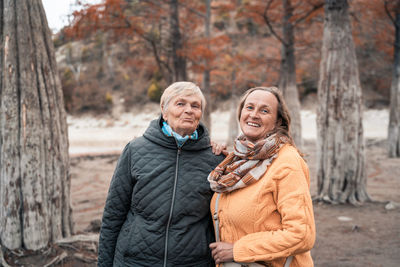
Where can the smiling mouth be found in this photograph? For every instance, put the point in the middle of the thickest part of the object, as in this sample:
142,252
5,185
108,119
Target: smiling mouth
252,124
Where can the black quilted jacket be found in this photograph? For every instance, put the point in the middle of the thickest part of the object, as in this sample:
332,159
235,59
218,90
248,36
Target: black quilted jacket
157,208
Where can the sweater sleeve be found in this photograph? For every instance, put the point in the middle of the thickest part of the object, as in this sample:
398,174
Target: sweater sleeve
116,208
297,233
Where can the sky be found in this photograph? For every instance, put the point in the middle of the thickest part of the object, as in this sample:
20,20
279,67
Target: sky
57,11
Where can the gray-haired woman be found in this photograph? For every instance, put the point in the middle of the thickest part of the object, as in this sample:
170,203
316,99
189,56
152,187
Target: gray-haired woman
157,208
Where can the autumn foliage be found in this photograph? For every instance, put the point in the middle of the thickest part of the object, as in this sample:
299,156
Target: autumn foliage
242,51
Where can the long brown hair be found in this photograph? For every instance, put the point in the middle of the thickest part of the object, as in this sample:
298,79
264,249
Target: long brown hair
283,117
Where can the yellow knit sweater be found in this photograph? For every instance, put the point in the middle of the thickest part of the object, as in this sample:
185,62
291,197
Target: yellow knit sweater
272,218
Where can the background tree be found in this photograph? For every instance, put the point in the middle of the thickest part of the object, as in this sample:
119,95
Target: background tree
206,86
288,14
34,165
179,61
340,141
393,11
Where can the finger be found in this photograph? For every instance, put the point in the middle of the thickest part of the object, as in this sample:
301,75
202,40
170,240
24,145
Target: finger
225,152
213,146
213,254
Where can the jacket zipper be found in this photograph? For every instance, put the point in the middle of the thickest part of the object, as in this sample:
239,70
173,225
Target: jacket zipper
172,207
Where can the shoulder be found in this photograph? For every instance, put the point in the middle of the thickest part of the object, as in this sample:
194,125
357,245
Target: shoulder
137,147
289,154
288,160
138,141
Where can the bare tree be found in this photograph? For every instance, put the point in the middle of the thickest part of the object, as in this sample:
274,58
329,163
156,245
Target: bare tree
206,74
287,73
179,62
34,165
340,141
233,126
394,118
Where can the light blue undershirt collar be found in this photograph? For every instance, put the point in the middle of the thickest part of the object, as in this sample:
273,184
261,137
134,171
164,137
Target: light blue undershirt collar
167,130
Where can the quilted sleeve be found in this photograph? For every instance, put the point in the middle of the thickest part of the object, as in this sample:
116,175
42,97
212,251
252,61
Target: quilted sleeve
297,234
116,208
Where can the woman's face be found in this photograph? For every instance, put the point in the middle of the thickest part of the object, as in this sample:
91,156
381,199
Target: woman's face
183,114
259,114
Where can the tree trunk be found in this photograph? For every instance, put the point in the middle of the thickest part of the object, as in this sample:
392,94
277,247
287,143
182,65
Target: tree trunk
340,141
394,118
34,165
233,121
179,61
287,79
206,74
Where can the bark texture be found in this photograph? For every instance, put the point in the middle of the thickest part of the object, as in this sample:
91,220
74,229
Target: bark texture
233,130
287,79
206,74
340,141
179,61
394,117
34,164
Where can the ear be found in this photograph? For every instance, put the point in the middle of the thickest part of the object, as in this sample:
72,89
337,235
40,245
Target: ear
164,114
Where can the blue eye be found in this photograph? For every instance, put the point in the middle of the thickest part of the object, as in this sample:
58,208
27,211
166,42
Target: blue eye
249,107
265,111
180,104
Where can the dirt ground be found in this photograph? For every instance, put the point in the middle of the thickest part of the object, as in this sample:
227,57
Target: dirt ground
346,236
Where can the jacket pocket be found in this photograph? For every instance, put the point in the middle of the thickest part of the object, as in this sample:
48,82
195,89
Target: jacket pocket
124,236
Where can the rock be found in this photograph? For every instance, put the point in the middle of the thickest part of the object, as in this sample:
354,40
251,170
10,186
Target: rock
344,219
391,205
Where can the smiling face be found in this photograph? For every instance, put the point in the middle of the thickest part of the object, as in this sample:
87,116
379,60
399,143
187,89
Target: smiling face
183,114
258,115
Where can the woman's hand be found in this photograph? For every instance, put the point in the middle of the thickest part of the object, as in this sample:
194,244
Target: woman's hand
217,149
222,252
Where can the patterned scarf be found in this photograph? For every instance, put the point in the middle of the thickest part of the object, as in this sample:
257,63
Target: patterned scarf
247,164
167,130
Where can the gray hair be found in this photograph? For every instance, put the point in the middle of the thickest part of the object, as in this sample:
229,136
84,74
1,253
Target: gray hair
181,88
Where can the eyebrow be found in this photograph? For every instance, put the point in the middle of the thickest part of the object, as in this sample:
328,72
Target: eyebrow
263,106
185,100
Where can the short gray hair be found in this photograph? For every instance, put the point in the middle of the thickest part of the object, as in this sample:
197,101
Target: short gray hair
181,88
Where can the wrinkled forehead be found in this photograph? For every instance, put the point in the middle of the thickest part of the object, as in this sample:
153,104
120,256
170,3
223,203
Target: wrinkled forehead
188,96
262,97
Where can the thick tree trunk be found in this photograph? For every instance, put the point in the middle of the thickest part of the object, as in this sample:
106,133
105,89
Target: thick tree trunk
287,79
179,61
206,75
340,141
394,118
34,164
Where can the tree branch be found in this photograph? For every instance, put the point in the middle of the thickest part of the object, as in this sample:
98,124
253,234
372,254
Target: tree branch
266,19
193,10
315,8
388,13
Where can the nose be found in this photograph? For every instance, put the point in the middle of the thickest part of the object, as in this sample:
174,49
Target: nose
188,108
253,113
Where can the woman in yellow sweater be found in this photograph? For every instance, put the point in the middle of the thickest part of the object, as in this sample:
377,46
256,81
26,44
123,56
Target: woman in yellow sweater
262,206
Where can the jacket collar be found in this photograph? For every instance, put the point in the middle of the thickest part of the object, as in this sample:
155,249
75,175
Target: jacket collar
155,134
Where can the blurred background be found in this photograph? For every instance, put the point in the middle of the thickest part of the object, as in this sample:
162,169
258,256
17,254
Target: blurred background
116,51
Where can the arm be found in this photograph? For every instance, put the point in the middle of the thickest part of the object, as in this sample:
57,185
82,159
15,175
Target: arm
297,234
116,208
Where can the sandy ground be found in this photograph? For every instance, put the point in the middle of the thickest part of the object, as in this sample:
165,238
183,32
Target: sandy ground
107,135
346,235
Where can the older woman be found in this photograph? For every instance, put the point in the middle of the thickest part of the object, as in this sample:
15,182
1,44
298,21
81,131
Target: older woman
263,209
157,208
